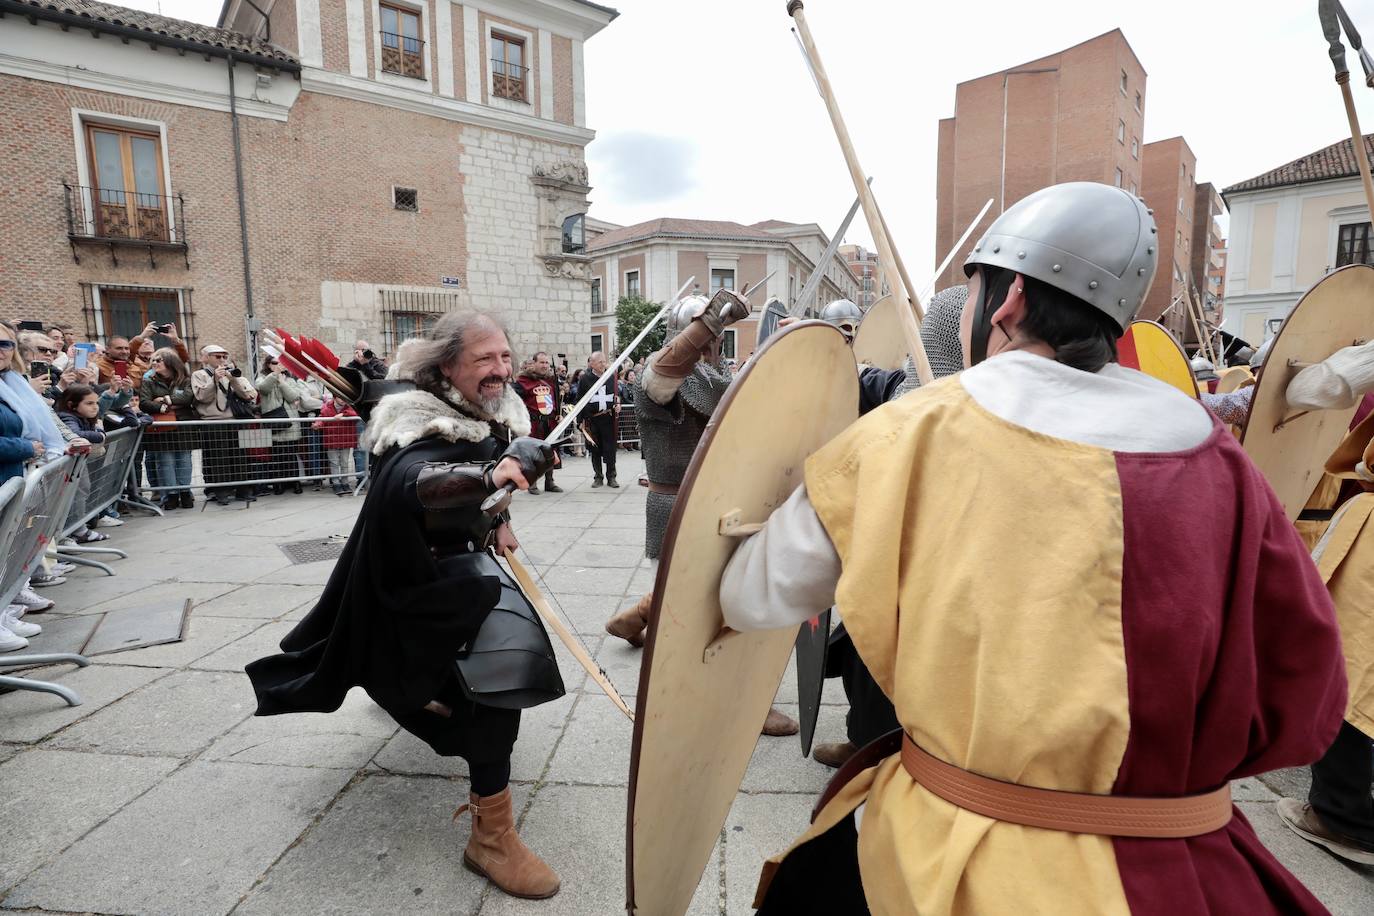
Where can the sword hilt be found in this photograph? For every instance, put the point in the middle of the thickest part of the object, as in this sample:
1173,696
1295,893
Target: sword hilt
499,501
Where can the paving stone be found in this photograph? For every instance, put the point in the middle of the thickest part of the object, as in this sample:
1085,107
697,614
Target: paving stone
51,798
85,589
586,580
28,717
602,555
176,716
540,728
642,581
194,844
347,738
204,635
263,601
389,845
147,593
1294,782
595,749
621,662
1251,789
235,569
1345,889
9,750
257,644
576,518
778,764
568,827
627,535
587,614
759,826
61,633
306,574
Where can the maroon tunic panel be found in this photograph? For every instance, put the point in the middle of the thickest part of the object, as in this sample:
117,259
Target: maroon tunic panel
1233,666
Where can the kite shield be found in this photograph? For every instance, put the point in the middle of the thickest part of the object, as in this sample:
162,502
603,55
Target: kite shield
704,692
880,341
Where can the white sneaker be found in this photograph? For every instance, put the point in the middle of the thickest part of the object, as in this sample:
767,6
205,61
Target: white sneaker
9,642
30,600
45,581
61,569
9,619
107,521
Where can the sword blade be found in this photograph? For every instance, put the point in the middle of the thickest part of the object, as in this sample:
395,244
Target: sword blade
798,308
935,277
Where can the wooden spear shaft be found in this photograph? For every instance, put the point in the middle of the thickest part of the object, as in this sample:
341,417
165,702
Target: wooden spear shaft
1357,138
886,254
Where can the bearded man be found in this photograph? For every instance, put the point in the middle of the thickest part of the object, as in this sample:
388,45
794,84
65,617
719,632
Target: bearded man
538,387
416,599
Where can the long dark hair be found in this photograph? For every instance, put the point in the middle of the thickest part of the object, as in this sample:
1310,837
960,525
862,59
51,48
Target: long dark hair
71,397
1082,337
172,360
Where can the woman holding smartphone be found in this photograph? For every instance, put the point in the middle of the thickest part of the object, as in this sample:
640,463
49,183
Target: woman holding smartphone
168,391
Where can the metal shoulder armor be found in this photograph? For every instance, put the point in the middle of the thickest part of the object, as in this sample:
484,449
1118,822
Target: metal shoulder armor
453,485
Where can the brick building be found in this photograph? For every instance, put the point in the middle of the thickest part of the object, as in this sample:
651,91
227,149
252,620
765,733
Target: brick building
1077,115
398,159
1209,250
865,267
654,258
1170,188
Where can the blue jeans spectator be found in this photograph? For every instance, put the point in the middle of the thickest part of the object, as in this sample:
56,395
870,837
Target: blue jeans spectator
173,470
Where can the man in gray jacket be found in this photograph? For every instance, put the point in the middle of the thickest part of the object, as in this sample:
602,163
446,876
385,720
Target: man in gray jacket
214,385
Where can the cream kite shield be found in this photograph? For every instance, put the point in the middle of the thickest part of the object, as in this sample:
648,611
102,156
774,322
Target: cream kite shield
1291,446
704,691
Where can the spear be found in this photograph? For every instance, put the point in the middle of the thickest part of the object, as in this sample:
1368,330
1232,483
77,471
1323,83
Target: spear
1332,15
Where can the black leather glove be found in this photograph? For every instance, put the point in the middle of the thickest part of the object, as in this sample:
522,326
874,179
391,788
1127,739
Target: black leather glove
536,457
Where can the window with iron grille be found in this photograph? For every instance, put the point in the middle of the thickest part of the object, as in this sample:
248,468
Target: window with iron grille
1352,247
405,199
508,70
405,325
403,50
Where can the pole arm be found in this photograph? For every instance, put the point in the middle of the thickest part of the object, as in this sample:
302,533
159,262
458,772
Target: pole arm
910,326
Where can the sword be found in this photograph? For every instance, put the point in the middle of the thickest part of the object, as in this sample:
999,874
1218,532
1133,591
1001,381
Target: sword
575,646
497,502
798,308
935,277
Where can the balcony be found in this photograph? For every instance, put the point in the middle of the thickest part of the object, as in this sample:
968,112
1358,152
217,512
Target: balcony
125,219
403,55
508,80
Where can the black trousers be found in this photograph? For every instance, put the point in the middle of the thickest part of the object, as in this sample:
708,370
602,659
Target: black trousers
871,714
603,431
819,877
1341,783
481,735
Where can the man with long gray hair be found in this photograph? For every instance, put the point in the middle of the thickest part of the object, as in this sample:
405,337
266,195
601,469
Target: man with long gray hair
417,610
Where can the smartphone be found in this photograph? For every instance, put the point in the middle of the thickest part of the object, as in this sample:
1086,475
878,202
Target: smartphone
30,325
83,356
40,369
121,368
165,328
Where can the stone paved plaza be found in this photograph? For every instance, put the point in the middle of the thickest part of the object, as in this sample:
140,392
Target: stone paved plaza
162,794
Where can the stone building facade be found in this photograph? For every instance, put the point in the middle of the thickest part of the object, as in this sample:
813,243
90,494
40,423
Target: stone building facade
387,177
654,258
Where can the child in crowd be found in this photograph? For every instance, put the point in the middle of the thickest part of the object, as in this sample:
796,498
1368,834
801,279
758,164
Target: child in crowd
340,439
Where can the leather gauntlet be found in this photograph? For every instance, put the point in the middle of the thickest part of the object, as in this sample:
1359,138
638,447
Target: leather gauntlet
682,352
453,486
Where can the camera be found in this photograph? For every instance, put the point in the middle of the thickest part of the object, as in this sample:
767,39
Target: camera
165,328
236,372
368,354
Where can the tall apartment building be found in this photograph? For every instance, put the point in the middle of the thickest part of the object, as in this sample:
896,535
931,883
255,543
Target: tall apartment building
866,268
1170,189
1209,250
351,168
654,258
1077,115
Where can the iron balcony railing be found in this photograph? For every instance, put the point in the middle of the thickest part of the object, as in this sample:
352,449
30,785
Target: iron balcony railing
403,55
508,80
124,217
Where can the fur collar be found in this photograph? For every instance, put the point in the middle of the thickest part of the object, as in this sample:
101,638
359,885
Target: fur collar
408,416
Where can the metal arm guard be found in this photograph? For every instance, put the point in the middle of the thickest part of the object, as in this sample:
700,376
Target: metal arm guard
454,486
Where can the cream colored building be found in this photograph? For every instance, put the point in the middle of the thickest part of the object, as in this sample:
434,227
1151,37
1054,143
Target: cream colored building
1289,228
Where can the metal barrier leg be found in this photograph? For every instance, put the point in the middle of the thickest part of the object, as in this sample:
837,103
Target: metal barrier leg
20,683
141,504
51,658
82,561
82,548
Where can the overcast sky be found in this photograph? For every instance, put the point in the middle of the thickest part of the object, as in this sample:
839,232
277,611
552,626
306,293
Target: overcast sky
705,109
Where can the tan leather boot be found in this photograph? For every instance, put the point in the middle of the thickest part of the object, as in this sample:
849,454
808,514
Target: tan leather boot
498,854
632,623
779,723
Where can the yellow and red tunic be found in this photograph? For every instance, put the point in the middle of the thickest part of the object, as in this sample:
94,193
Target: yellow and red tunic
1070,617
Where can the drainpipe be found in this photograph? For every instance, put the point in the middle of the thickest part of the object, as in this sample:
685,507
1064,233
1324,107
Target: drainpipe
251,322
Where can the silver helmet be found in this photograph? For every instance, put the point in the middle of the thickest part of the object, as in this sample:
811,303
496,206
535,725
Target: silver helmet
844,315
1259,356
773,313
1095,242
1203,369
681,315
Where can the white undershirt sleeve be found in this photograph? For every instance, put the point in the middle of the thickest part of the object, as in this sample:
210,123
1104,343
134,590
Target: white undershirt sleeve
784,575
1335,383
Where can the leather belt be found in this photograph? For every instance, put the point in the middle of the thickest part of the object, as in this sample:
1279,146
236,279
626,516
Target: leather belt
1072,812
663,489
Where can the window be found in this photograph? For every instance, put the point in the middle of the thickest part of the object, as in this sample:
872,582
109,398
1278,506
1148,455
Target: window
1137,102
1120,131
727,344
1123,82
575,234
126,169
1183,170
596,344
1352,246
1119,177
1134,189
508,70
1180,203
632,283
1135,148
405,199
405,325
596,295
403,51
126,312
1180,238
722,279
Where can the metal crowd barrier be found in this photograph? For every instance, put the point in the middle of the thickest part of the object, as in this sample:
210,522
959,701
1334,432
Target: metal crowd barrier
227,454
627,432
101,486
32,510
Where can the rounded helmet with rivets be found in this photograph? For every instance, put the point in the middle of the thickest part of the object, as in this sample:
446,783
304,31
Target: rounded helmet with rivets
682,314
844,315
1094,241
